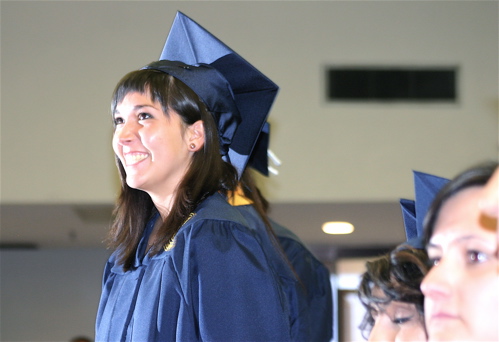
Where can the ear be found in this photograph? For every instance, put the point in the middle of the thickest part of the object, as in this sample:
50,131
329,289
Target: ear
195,136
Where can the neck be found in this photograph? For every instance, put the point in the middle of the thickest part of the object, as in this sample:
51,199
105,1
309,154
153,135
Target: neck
163,204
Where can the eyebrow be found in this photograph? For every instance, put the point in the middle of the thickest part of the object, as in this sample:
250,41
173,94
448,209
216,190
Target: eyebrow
136,108
457,240
432,245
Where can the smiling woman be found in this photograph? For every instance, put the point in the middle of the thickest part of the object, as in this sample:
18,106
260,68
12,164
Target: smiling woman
461,296
187,265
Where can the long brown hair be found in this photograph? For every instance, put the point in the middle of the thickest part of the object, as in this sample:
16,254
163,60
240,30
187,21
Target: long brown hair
207,173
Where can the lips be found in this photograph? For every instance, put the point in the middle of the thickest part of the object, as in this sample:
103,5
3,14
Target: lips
443,315
134,157
439,320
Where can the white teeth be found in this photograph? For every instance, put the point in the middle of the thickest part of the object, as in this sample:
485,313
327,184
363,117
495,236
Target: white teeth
133,158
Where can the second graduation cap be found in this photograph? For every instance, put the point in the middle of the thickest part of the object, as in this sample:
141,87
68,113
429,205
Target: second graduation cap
426,187
235,92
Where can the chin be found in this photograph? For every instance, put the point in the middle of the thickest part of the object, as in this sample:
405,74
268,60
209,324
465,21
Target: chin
448,336
444,335
134,184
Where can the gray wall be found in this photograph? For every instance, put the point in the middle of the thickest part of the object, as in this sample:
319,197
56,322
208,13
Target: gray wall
49,295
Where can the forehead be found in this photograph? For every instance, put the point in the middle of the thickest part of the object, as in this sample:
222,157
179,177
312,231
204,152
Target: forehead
134,99
136,96
460,216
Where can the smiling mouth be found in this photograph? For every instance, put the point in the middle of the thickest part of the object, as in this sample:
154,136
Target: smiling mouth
134,158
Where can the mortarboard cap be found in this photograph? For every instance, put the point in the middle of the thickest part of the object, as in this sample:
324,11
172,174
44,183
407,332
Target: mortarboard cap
259,159
236,93
426,187
408,208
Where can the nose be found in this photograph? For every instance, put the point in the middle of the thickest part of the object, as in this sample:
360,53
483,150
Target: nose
438,281
382,332
126,133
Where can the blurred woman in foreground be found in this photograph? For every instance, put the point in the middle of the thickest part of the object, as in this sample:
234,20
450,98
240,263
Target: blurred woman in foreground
461,290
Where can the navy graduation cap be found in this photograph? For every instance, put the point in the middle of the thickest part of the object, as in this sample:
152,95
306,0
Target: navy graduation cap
235,92
426,187
258,159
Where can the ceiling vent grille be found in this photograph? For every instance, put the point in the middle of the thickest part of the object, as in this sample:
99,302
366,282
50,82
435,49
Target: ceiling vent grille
383,84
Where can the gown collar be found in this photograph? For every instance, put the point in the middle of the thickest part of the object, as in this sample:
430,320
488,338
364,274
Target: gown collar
141,255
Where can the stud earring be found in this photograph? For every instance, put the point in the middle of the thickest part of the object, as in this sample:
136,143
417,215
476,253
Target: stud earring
192,146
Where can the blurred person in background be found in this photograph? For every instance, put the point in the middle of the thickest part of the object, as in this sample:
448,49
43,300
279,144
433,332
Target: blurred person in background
390,286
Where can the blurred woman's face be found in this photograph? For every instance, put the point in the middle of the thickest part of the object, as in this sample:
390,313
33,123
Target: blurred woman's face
397,321
462,289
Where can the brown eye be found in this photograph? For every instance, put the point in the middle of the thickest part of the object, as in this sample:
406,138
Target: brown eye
433,261
476,257
144,116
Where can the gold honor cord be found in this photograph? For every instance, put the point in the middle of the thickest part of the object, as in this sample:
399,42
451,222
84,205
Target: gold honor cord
171,243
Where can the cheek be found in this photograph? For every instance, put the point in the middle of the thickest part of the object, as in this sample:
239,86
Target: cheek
481,297
155,141
428,306
114,143
417,332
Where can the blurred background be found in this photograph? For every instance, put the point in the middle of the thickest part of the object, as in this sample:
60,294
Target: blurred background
347,154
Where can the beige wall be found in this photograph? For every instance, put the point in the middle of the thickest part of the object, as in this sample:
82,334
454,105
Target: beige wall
61,60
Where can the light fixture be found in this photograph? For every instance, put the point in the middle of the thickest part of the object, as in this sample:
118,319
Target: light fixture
337,228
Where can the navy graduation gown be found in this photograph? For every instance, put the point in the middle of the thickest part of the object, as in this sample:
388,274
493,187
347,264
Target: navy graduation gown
317,281
216,284
311,305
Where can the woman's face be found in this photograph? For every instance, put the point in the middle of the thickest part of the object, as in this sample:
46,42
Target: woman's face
397,321
461,290
153,147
